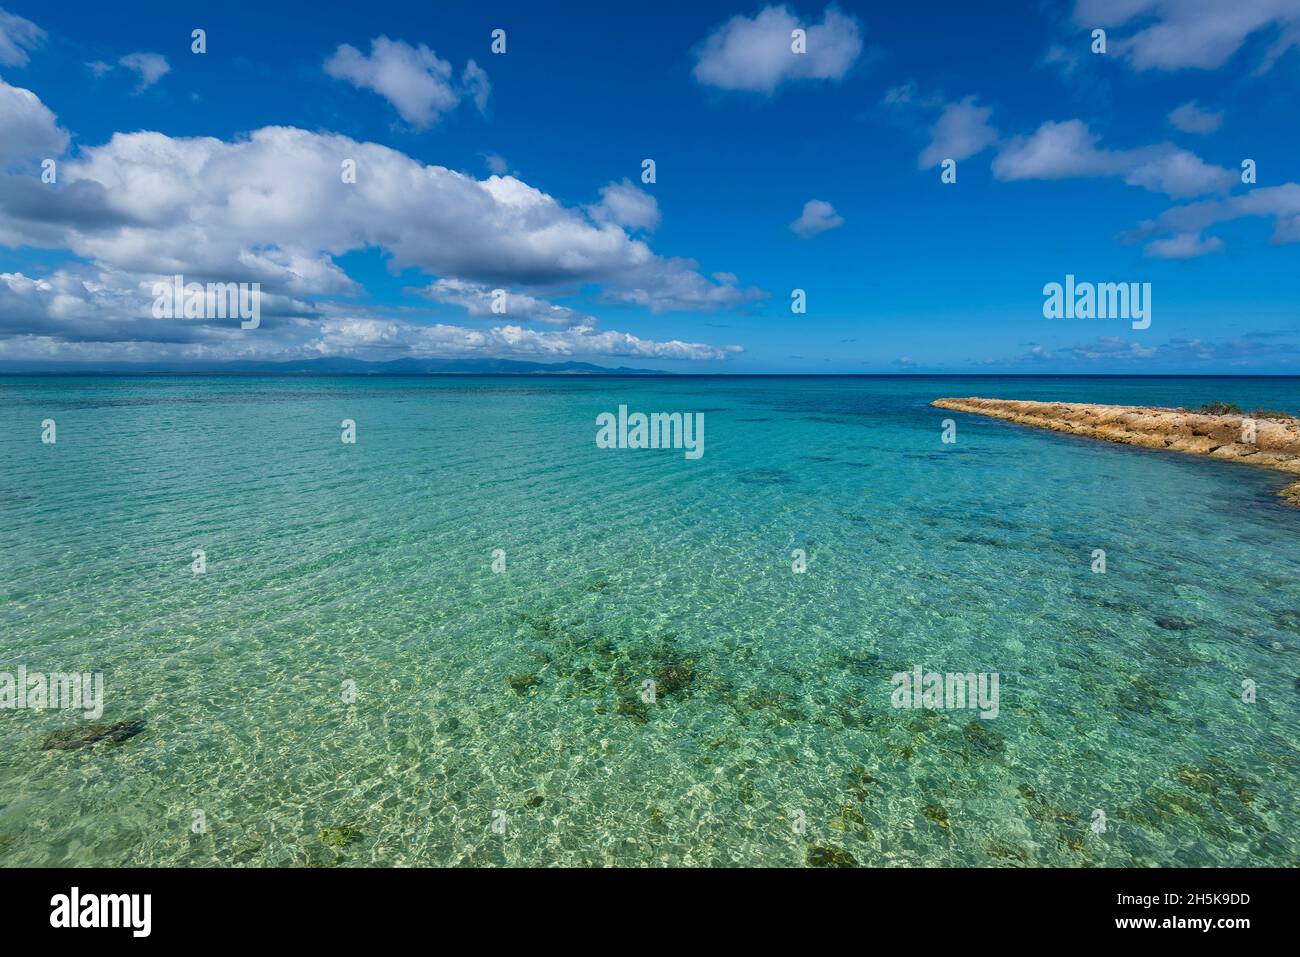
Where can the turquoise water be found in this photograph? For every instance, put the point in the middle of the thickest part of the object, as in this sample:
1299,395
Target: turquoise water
514,696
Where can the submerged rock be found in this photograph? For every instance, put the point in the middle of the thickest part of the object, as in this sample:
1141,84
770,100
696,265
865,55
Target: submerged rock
632,707
1001,850
936,813
521,684
861,784
983,739
830,857
673,676
69,739
340,836
767,477
849,816
1291,494
1171,623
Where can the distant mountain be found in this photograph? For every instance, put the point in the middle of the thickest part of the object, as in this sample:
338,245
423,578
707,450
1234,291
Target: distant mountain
324,366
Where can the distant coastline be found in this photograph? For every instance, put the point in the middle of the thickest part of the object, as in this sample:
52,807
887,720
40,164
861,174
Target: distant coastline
324,366
338,366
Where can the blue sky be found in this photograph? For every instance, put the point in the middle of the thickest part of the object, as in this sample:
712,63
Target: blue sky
522,171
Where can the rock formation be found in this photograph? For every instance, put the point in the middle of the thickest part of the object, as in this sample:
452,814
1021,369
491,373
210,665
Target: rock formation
1275,445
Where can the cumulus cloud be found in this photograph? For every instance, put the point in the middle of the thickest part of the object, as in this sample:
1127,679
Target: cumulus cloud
17,37
1200,34
1181,227
1069,150
205,205
958,130
29,132
478,300
88,315
373,338
961,131
627,205
1183,246
1190,118
414,80
817,217
271,207
150,67
1054,151
667,285
755,53
82,304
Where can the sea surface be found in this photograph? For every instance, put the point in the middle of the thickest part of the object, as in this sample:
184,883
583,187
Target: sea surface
349,682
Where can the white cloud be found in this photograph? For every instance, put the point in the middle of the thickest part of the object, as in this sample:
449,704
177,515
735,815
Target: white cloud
1201,34
1182,225
1183,246
496,164
413,79
82,304
271,207
958,131
1190,118
1054,151
817,217
17,37
475,80
71,316
754,53
1069,150
668,285
627,205
375,337
1175,172
961,131
28,130
151,67
1062,59
203,205
477,299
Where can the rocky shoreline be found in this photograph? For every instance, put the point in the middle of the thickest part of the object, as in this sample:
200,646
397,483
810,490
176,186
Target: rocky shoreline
1275,445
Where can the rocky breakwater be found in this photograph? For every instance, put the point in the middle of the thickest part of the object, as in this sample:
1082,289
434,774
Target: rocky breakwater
1267,441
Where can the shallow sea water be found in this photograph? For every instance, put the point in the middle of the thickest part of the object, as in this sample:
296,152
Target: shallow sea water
514,697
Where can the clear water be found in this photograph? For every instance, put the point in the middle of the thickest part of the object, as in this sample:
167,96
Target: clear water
514,697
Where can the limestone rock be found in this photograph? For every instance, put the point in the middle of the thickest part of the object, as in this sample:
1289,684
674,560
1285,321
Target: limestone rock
1276,445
